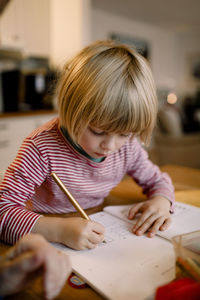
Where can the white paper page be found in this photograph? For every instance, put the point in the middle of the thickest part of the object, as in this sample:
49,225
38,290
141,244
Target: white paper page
127,266
185,219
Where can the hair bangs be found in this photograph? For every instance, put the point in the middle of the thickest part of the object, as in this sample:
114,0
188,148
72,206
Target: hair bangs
119,111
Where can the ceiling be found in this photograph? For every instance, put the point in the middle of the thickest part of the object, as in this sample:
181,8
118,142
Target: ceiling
177,15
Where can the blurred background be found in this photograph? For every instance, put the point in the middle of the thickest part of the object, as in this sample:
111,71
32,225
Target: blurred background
38,36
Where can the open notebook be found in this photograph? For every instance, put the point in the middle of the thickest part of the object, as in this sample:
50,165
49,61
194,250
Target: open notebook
128,266
185,219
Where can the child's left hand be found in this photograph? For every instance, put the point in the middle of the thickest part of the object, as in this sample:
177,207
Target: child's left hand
154,216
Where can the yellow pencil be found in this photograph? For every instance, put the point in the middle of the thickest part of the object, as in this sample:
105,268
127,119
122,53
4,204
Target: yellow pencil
70,197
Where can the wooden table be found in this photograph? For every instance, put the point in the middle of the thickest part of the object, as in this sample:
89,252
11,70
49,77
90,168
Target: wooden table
183,178
187,190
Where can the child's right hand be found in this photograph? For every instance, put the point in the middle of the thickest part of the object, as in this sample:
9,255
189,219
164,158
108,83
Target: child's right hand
76,233
80,234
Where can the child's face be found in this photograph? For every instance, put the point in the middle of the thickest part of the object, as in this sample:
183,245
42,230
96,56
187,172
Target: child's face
98,143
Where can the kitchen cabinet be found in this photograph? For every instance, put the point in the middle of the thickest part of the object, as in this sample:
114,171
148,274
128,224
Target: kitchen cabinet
12,132
56,29
25,26
11,25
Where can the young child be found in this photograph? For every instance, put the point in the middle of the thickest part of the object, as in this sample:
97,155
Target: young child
30,257
107,106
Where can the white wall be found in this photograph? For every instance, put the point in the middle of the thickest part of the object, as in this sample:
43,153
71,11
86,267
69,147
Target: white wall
167,49
69,28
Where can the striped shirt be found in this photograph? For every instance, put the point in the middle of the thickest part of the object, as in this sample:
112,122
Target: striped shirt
28,188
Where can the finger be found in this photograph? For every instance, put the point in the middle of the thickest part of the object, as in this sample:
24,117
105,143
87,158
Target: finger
98,228
144,224
29,242
26,262
141,220
91,245
56,274
166,224
134,210
88,245
96,238
156,226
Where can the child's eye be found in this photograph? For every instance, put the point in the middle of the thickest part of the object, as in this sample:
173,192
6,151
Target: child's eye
125,134
96,132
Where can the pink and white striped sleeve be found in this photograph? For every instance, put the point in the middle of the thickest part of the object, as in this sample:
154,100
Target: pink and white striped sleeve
21,178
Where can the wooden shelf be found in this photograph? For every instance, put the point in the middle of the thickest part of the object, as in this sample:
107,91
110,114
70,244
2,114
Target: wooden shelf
27,113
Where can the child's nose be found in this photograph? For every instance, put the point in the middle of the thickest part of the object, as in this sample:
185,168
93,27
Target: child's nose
108,144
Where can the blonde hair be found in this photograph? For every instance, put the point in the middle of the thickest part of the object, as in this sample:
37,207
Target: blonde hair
108,86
